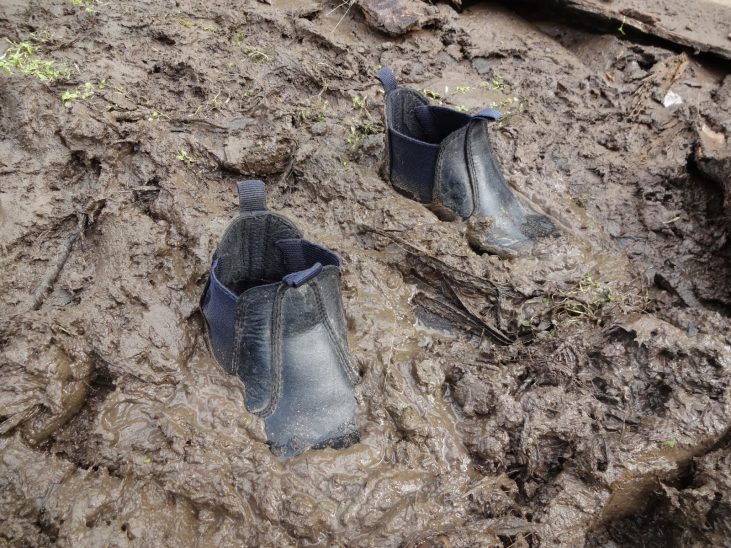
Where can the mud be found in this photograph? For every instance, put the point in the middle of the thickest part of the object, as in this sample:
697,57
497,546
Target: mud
577,396
702,27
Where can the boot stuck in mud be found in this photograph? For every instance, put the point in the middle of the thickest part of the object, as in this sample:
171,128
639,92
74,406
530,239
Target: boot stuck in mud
275,319
473,290
443,157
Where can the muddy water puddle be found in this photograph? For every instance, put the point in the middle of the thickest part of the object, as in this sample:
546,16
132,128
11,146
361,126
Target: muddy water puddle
537,401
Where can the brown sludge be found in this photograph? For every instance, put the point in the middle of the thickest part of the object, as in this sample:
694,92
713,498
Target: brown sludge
578,396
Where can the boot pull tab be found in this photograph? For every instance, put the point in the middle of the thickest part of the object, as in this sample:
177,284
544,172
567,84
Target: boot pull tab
304,260
387,78
298,279
252,196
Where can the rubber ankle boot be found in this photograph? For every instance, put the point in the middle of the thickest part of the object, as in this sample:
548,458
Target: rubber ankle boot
443,158
274,318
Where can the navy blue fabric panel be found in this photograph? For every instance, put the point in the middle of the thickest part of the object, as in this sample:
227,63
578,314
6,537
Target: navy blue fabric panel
300,254
442,121
219,310
428,124
412,165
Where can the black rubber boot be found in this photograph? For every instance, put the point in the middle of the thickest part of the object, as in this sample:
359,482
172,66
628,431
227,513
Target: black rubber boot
274,315
443,158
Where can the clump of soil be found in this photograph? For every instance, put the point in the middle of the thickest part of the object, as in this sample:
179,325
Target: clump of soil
567,397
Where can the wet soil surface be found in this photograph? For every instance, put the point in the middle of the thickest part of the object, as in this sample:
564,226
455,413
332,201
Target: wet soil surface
577,396
702,27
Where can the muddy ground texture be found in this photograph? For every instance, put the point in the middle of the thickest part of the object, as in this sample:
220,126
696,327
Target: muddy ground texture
603,421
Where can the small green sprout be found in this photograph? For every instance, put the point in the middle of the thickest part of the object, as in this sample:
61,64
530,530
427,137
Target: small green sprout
370,128
307,113
237,38
85,91
69,96
88,90
354,138
621,27
526,322
154,116
65,330
23,57
361,103
461,108
257,56
362,124
323,107
184,21
88,5
670,443
462,89
187,158
587,284
498,83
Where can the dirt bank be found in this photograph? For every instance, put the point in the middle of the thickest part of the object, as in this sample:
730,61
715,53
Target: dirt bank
608,409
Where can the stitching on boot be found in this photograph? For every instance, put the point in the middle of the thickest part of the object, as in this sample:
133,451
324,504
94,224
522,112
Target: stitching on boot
471,166
267,235
239,330
388,138
276,360
247,252
241,325
345,363
437,189
493,158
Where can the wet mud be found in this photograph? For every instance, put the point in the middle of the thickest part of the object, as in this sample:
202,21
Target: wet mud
576,396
